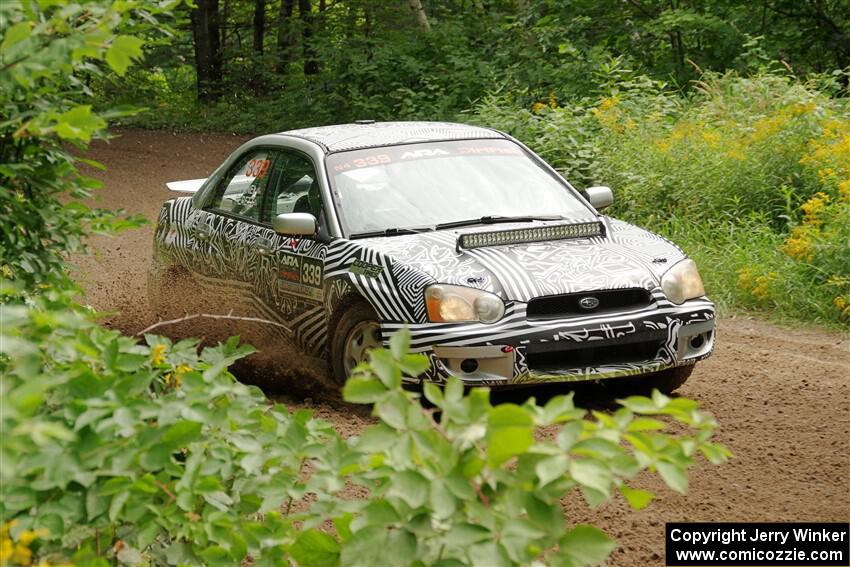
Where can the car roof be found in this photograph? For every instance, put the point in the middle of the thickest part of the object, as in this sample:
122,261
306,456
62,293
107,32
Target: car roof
369,134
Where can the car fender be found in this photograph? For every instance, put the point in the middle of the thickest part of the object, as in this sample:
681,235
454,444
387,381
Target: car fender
394,290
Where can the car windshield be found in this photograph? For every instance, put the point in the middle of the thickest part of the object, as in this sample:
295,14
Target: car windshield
417,186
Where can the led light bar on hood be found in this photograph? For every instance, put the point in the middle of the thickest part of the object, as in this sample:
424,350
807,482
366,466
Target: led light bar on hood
524,235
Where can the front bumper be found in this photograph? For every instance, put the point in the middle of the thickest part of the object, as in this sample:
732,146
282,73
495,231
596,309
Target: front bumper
521,351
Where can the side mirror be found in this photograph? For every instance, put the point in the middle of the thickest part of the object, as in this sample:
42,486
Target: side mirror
599,197
295,224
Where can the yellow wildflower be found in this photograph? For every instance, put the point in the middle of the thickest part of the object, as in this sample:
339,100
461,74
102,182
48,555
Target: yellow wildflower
844,190
26,537
826,174
762,288
804,107
814,207
833,128
7,548
537,107
22,555
183,369
829,154
837,280
737,154
607,103
745,279
840,302
5,527
711,138
768,126
608,114
799,244
158,353
553,102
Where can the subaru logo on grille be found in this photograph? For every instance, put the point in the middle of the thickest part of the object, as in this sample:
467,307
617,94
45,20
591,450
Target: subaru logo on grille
588,303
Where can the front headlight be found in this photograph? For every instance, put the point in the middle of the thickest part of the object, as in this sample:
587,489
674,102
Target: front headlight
682,282
454,303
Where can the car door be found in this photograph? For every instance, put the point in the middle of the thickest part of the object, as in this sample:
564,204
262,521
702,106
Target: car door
227,231
290,281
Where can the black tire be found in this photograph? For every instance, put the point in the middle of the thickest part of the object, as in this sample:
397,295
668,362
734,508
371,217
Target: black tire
357,327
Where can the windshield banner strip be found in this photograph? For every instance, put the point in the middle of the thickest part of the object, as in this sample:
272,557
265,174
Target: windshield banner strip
526,235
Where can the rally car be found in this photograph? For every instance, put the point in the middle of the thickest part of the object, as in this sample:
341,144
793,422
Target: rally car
503,272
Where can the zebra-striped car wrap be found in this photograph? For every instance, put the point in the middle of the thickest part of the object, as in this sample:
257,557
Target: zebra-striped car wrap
392,273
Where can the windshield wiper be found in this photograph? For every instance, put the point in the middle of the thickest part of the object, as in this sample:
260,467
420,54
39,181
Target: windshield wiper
392,232
490,219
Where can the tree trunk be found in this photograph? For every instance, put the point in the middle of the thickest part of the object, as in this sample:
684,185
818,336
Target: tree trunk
208,57
225,18
305,12
419,14
285,37
259,24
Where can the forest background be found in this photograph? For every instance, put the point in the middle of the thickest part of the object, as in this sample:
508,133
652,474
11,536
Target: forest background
722,124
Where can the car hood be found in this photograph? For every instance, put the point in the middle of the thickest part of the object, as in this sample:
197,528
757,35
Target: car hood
626,257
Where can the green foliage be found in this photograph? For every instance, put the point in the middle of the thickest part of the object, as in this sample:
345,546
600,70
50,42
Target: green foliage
129,453
749,175
49,52
116,451
371,59
147,452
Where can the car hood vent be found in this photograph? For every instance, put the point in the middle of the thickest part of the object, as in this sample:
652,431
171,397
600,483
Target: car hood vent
546,233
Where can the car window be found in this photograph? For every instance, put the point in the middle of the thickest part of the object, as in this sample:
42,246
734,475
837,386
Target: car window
294,187
240,192
414,185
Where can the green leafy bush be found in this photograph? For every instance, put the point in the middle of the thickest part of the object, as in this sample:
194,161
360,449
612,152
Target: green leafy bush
750,175
49,51
120,451
146,452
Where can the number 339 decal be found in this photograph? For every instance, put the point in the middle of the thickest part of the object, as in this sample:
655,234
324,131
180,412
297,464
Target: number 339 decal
257,168
311,273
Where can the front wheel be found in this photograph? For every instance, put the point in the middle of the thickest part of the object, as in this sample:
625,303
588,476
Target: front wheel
356,333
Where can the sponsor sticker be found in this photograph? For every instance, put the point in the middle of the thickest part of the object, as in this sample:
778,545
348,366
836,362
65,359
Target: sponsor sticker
365,269
305,273
257,168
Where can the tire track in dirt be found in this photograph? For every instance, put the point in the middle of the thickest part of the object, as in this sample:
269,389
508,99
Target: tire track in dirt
780,393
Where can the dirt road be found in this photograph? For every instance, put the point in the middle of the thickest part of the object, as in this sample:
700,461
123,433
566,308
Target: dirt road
781,394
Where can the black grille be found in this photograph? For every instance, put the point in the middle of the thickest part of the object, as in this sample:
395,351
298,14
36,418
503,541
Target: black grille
555,306
563,356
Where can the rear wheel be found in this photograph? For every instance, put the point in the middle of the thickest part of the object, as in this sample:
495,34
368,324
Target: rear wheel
356,333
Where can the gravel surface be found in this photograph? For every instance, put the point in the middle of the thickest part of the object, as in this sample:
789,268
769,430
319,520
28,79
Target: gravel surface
780,393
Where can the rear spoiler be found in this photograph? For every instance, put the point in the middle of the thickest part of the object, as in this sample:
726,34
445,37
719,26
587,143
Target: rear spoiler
187,186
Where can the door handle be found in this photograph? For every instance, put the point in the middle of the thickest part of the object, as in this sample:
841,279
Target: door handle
202,229
202,232
263,246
